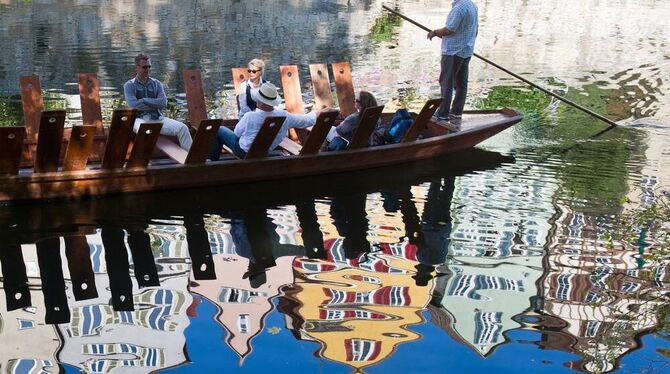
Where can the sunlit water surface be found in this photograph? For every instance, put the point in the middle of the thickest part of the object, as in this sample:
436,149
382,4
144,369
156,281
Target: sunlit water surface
502,263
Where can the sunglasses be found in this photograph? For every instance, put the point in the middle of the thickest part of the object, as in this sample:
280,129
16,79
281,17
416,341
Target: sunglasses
253,71
145,67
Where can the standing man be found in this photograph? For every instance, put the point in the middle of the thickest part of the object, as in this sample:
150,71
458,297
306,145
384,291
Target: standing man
458,45
147,95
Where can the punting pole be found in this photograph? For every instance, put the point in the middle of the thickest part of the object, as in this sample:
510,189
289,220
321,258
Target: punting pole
559,97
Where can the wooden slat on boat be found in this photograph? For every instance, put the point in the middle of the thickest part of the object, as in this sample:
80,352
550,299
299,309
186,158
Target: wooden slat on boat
144,144
118,139
11,146
49,141
323,97
344,88
317,136
366,125
202,143
290,82
33,104
89,95
195,97
268,132
421,120
239,76
79,148
78,257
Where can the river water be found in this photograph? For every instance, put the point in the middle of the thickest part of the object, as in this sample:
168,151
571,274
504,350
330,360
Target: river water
503,258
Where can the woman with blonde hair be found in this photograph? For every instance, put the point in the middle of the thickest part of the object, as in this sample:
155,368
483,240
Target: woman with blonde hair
249,88
344,132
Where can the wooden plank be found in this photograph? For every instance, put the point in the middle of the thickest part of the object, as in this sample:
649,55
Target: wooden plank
202,143
320,130
195,97
145,141
366,125
79,148
33,104
344,87
239,76
421,120
49,140
290,82
89,95
11,146
323,97
268,132
118,139
171,149
290,146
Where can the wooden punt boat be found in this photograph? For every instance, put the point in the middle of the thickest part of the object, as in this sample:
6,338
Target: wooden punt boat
96,162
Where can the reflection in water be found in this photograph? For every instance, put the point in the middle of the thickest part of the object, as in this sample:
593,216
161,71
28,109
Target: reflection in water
366,273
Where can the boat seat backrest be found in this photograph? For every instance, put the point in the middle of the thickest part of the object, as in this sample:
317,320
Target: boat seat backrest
145,142
49,141
11,146
421,120
317,136
263,140
33,104
195,97
79,147
290,82
366,125
323,97
118,138
240,74
202,143
344,87
89,96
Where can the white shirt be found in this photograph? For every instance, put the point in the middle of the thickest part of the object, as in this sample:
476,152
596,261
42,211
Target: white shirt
249,125
242,96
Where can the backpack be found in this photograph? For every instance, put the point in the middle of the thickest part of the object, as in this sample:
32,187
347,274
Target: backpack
400,123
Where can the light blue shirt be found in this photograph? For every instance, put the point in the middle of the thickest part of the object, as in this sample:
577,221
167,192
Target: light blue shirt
152,95
463,21
249,126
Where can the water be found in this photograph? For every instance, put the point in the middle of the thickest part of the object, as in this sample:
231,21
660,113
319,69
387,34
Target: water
498,259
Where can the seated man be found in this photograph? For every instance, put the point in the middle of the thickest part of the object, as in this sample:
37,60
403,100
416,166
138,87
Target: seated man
147,95
240,140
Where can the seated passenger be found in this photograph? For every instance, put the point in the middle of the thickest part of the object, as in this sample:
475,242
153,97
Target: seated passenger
340,136
249,88
240,140
147,95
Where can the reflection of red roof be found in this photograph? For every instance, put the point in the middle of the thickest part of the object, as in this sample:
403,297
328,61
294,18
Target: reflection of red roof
192,309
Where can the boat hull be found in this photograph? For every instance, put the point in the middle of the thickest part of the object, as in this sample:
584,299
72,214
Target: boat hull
72,185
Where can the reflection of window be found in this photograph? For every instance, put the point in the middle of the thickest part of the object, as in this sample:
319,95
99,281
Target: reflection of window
243,323
603,260
236,295
630,286
563,292
592,328
487,327
360,350
592,297
25,324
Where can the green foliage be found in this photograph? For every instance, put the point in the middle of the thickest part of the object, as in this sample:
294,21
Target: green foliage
384,27
11,111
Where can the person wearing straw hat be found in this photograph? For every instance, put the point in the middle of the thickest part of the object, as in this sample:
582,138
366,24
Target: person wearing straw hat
458,45
240,140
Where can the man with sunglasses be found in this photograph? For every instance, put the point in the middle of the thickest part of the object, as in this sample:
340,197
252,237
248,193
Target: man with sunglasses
147,95
458,46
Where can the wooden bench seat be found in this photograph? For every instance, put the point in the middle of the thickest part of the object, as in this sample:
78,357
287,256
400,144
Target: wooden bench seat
365,128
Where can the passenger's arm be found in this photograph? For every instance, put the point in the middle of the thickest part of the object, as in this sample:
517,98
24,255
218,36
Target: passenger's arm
160,102
132,100
302,121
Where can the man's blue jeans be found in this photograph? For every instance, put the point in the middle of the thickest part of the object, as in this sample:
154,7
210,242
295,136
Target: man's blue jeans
226,137
453,77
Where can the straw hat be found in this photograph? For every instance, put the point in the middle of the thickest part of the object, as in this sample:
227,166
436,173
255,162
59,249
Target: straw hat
267,94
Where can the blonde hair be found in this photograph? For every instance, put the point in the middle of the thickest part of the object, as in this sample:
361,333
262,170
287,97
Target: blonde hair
257,63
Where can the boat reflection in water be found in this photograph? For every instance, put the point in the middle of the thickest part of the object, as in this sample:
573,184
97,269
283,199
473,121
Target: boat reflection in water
119,283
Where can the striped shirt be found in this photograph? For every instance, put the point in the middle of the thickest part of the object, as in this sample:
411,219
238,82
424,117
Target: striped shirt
462,20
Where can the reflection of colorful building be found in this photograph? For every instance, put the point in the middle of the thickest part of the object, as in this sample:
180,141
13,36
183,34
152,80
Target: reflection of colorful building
358,309
596,298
